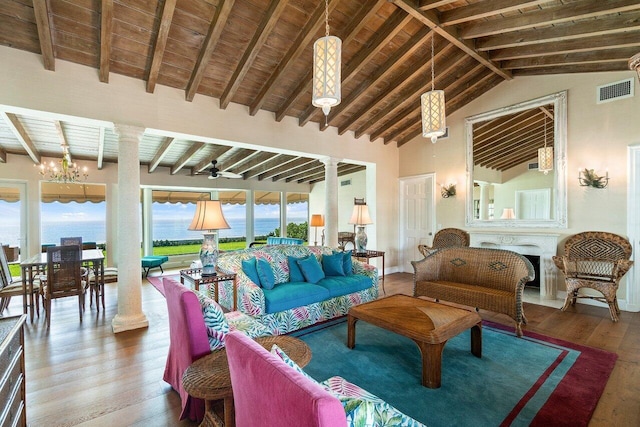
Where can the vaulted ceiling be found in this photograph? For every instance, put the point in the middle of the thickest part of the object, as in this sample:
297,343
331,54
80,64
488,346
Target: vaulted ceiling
258,53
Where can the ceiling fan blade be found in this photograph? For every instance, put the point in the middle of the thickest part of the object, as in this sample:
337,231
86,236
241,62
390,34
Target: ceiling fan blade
229,175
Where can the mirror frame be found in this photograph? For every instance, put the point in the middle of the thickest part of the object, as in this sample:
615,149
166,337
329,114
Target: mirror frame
559,219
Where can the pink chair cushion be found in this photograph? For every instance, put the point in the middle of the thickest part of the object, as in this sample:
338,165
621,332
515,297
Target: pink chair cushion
267,392
188,342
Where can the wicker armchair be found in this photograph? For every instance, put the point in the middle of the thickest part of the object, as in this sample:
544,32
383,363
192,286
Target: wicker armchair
446,238
595,260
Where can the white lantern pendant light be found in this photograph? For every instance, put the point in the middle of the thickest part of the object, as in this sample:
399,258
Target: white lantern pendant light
545,154
327,52
432,106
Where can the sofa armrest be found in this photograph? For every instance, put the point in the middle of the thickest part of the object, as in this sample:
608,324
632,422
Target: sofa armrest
250,296
364,408
426,268
365,269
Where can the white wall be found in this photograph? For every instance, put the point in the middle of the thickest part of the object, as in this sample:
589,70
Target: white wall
76,91
597,137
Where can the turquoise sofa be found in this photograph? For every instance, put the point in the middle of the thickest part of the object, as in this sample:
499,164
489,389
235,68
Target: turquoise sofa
290,306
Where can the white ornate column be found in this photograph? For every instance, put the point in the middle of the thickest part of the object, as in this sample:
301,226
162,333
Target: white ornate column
331,201
484,200
130,315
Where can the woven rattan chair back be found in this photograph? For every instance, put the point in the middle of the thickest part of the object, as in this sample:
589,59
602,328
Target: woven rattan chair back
595,260
446,238
64,277
10,287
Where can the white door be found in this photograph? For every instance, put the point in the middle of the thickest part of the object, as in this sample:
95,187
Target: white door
533,204
416,218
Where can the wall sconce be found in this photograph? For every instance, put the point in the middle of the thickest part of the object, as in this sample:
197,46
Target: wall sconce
588,178
448,191
508,213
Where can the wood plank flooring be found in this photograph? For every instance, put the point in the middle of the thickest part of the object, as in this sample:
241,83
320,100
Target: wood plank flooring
81,374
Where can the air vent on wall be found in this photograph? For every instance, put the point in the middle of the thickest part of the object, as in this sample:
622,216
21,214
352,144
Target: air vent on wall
533,165
345,182
615,91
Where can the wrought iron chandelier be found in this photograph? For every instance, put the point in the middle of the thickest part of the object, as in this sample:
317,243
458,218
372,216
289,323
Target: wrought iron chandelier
65,171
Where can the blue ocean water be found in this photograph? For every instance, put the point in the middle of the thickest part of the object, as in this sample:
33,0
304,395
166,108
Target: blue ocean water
176,229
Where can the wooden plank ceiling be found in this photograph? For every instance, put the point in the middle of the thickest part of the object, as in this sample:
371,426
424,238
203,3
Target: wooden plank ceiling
258,53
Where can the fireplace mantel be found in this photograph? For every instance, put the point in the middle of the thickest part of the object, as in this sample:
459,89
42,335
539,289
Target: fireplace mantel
543,245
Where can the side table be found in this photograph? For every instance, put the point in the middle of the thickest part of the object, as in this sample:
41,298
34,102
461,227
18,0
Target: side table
367,256
194,277
208,377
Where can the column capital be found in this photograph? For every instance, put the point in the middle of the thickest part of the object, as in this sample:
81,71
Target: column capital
128,131
330,161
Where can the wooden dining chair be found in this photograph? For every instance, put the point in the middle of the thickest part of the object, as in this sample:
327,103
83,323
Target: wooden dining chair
12,287
63,278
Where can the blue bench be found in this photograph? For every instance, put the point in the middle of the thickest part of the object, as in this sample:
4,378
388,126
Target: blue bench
153,261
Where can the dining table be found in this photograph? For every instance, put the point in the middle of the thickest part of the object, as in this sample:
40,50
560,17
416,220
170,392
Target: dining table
35,266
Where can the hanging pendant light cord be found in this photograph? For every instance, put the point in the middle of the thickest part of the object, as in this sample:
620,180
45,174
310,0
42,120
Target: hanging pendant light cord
433,73
326,17
545,131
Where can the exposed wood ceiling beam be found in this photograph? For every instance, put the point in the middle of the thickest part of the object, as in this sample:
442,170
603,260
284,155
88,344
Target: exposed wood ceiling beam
184,159
251,52
382,73
582,68
299,161
21,134
411,95
394,88
220,16
259,159
206,163
3,155
160,43
587,44
346,171
291,174
160,154
450,34
569,31
45,34
311,173
235,159
106,30
549,16
307,34
318,174
477,11
279,160
432,4
580,58
60,132
379,41
357,23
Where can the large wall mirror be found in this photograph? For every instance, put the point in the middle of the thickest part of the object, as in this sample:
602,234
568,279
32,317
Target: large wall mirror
508,184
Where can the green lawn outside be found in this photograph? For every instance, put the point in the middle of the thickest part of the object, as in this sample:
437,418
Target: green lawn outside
162,250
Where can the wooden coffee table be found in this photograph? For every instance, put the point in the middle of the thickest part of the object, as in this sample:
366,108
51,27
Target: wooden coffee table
430,325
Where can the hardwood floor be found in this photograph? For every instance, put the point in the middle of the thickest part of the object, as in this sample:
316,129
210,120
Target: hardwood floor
83,374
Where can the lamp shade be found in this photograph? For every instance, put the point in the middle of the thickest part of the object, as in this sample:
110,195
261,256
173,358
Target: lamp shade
327,65
545,159
507,213
360,215
433,114
208,216
317,220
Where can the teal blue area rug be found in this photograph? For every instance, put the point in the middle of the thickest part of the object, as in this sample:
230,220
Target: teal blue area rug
534,380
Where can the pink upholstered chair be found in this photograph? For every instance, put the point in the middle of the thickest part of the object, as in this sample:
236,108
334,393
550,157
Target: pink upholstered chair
188,342
268,393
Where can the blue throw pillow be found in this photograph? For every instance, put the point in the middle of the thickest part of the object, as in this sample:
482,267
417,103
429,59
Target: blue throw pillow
250,268
311,269
295,274
267,279
333,264
347,263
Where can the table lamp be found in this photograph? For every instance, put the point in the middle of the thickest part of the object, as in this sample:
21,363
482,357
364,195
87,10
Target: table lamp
508,213
360,217
209,218
317,220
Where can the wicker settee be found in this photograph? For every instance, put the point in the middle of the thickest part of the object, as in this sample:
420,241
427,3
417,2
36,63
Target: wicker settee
490,279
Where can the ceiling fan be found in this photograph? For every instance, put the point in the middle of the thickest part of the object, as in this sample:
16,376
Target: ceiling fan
214,172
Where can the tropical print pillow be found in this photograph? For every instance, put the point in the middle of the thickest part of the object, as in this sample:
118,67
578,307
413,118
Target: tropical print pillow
214,321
